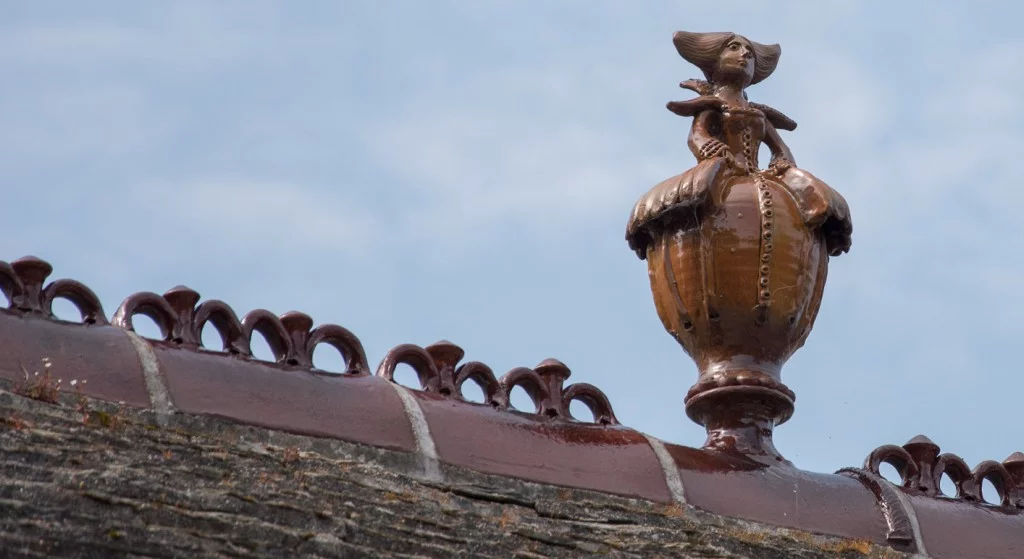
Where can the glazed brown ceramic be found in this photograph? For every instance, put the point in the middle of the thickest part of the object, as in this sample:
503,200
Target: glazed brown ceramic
737,255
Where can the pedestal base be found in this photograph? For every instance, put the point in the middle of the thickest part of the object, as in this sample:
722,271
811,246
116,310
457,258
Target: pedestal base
740,419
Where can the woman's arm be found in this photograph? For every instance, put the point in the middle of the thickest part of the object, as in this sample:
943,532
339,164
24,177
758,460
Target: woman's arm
782,158
693,107
702,140
774,116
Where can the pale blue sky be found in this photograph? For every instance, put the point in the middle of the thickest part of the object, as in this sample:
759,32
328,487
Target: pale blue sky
464,170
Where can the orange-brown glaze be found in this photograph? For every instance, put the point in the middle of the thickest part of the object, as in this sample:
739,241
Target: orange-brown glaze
708,281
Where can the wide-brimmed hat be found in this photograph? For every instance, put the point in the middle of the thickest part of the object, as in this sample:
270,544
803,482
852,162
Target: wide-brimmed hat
703,49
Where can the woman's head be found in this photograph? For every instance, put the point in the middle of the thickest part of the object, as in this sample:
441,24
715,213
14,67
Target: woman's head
728,57
735,62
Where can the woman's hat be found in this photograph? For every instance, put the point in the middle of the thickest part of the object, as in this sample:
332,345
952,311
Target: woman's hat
703,49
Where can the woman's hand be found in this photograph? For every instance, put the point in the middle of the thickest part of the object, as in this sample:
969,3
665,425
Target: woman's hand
730,160
780,165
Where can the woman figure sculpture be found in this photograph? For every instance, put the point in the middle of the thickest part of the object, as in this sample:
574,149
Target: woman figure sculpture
727,133
737,255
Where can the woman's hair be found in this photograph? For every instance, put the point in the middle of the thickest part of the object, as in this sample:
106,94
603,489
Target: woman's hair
703,49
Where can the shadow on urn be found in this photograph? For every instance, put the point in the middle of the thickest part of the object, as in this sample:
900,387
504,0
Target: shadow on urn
737,255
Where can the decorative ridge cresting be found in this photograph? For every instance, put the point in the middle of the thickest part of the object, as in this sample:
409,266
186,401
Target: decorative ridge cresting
921,465
438,369
22,282
292,338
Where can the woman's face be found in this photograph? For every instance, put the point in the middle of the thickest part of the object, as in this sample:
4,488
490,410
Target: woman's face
737,60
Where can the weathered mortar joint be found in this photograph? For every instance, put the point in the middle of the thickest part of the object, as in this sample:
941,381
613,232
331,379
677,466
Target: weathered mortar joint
903,532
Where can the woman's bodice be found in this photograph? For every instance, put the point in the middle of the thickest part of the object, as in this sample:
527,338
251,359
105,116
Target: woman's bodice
739,130
743,130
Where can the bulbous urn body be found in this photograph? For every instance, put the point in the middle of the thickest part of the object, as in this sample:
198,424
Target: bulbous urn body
738,282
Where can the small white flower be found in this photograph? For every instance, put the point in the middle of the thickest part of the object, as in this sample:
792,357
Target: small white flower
74,382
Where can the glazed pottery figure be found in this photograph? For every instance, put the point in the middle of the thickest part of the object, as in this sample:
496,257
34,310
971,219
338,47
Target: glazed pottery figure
737,255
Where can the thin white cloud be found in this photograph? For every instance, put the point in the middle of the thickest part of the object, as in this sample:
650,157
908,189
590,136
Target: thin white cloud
532,149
